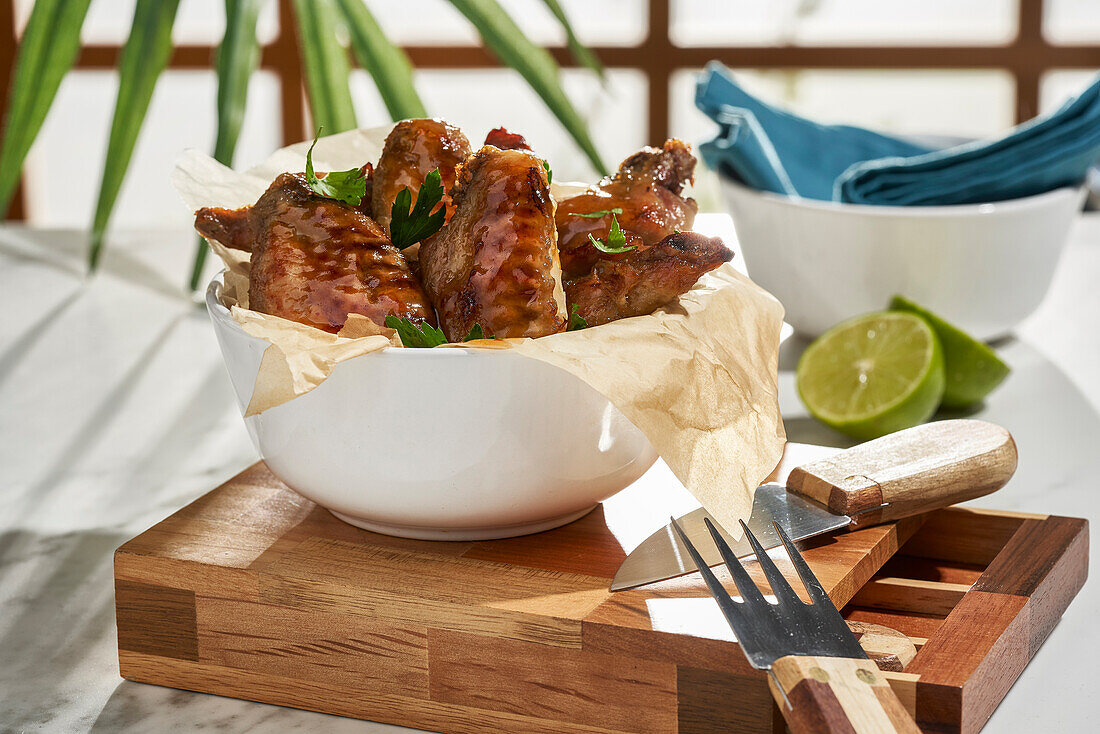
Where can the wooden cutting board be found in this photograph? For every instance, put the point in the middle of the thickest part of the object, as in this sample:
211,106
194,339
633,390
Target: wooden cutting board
254,592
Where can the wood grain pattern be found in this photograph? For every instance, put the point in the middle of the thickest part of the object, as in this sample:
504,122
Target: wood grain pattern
910,595
839,695
887,648
156,620
964,535
712,702
253,592
341,649
617,693
912,471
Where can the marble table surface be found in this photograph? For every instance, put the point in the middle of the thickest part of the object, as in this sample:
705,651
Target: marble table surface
115,410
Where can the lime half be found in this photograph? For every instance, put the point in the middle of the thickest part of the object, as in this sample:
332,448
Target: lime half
971,368
873,374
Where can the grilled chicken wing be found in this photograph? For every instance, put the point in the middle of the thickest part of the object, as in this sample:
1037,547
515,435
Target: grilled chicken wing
640,281
647,188
234,227
316,260
496,262
415,148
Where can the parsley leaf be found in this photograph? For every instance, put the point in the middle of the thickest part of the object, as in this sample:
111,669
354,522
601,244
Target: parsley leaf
476,332
616,240
576,321
347,186
410,223
549,173
422,335
600,213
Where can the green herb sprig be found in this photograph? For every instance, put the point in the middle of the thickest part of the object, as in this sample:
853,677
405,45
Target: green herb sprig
425,336
576,321
347,186
549,172
476,332
410,223
616,240
598,214
416,335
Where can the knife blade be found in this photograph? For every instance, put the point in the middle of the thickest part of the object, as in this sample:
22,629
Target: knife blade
902,474
663,555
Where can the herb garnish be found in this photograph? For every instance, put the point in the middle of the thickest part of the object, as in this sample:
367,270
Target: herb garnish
576,321
600,213
422,335
425,336
549,173
410,223
347,186
616,240
476,332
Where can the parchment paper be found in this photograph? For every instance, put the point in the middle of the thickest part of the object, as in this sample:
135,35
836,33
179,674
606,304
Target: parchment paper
698,377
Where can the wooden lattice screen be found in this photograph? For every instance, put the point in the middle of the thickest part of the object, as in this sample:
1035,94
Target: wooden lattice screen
1026,58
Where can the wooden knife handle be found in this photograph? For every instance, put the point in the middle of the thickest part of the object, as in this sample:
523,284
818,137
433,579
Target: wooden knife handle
819,695
910,472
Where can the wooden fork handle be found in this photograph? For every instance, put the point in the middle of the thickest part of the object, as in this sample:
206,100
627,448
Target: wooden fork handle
910,472
819,695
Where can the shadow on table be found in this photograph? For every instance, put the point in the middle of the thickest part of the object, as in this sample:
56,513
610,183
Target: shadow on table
137,707
66,251
57,632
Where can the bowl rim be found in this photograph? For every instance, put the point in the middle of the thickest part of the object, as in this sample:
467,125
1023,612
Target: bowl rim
984,208
220,313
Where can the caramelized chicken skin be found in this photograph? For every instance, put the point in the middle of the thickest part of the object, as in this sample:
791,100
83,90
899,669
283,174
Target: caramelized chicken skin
501,138
231,227
495,263
640,281
647,187
316,260
415,148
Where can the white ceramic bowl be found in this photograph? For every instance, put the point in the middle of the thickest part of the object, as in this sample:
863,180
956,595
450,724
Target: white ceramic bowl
984,267
440,444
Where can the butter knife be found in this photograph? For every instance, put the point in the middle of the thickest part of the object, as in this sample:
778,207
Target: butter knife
905,473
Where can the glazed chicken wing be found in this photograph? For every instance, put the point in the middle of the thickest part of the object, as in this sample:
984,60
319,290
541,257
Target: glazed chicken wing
647,187
640,281
316,260
415,148
496,262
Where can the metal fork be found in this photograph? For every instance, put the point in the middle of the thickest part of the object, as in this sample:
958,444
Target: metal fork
818,674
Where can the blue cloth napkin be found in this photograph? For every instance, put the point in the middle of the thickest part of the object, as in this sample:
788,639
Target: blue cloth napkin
860,166
770,149
1041,155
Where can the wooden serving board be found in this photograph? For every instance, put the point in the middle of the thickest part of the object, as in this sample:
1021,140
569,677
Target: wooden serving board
254,592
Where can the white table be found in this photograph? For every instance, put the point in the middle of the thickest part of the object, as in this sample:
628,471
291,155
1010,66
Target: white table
115,411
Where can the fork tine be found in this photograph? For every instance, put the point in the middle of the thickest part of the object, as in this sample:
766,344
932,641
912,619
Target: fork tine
780,587
725,601
745,584
809,580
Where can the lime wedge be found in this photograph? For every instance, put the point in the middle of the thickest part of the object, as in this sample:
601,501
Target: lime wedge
971,368
873,375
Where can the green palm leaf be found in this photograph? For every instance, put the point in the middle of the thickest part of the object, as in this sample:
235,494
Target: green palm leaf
143,58
386,63
325,63
506,41
238,56
49,47
581,53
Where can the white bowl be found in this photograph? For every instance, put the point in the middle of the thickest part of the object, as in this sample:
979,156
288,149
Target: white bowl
983,267
440,444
